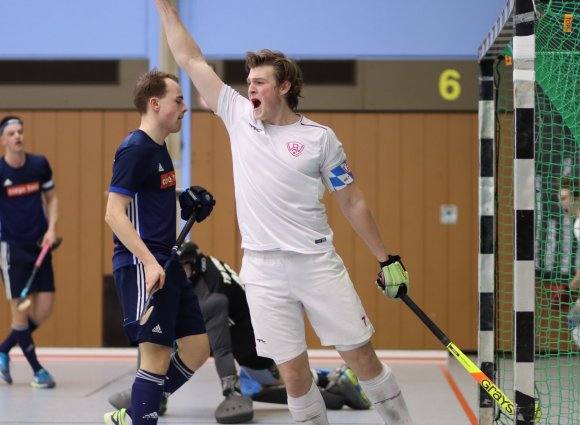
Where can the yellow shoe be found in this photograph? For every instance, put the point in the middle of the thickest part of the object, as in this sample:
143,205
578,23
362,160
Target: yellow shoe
116,418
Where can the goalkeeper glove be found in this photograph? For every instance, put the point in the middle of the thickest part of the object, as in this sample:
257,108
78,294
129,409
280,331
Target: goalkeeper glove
197,199
393,279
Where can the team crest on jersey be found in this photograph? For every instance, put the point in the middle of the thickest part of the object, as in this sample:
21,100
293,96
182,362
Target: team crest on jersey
295,148
168,180
346,168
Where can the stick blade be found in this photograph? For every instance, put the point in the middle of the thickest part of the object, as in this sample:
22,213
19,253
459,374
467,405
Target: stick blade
24,305
146,315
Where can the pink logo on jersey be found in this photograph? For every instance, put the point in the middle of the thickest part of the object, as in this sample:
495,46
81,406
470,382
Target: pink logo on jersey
295,148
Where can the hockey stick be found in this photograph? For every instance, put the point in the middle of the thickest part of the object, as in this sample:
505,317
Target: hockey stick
24,302
147,310
487,384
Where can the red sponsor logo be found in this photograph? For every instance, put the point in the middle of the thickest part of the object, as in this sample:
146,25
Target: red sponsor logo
295,148
22,189
168,180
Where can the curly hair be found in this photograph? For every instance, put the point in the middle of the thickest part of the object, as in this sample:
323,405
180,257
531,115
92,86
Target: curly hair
285,69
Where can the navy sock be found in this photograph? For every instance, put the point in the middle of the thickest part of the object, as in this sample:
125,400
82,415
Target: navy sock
146,397
32,326
177,374
10,340
24,339
8,343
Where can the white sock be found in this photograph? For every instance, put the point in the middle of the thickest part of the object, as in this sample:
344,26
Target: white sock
387,398
308,409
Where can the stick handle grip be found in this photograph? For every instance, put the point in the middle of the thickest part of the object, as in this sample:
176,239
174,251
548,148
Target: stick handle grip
425,319
40,258
174,254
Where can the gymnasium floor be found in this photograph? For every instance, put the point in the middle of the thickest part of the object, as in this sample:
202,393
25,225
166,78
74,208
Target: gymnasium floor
438,390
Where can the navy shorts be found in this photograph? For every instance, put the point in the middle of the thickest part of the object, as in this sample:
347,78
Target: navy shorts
17,265
175,313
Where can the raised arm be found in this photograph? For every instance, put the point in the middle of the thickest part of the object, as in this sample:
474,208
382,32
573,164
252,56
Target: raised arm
188,55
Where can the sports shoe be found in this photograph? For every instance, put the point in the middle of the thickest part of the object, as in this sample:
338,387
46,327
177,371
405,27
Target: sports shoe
42,379
122,400
116,418
5,368
343,381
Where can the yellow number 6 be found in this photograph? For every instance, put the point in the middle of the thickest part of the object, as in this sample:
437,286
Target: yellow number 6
449,87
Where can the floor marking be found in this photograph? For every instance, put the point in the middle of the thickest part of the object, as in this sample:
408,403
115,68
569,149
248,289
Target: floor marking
459,395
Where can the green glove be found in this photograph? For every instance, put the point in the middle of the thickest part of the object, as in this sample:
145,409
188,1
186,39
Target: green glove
393,279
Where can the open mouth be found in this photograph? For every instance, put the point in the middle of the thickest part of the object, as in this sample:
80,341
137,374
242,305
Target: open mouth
256,103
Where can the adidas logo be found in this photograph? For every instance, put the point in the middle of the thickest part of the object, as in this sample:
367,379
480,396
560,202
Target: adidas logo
157,329
7,182
151,416
161,169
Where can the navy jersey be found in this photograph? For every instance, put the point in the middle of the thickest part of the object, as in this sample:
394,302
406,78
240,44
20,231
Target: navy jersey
143,170
22,216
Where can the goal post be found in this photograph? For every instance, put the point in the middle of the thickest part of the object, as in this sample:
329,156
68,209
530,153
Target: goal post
529,137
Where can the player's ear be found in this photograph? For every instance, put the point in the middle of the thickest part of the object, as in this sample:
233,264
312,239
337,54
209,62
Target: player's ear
154,104
285,87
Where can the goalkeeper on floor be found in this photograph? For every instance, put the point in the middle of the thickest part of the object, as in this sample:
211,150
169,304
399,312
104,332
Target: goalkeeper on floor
223,304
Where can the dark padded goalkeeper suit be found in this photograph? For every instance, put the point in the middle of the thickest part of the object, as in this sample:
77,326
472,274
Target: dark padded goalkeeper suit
227,318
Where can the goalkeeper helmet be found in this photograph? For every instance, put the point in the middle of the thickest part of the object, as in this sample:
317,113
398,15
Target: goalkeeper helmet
192,256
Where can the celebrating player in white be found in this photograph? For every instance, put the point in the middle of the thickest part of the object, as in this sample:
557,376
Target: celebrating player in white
281,161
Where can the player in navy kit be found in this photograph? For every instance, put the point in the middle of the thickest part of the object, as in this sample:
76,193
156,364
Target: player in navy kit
27,191
141,211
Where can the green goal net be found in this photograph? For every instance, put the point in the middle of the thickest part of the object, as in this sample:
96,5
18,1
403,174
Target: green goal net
557,249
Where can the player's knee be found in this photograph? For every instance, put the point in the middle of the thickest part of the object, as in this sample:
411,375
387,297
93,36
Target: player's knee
215,307
154,357
194,350
297,377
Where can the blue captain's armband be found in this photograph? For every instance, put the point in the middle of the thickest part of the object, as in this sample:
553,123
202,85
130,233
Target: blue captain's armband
339,177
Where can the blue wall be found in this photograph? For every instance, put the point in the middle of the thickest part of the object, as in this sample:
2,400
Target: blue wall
364,29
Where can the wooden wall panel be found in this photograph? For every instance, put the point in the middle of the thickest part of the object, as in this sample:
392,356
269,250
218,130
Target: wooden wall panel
92,204
436,183
67,262
463,241
388,191
407,165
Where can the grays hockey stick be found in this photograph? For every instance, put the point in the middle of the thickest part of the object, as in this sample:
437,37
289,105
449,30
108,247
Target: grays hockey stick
487,384
174,255
23,300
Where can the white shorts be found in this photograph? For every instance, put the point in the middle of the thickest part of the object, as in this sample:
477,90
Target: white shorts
281,286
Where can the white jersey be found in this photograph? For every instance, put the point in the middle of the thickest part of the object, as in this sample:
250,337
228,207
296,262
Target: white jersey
278,174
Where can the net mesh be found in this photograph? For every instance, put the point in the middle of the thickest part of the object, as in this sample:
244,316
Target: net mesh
557,362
